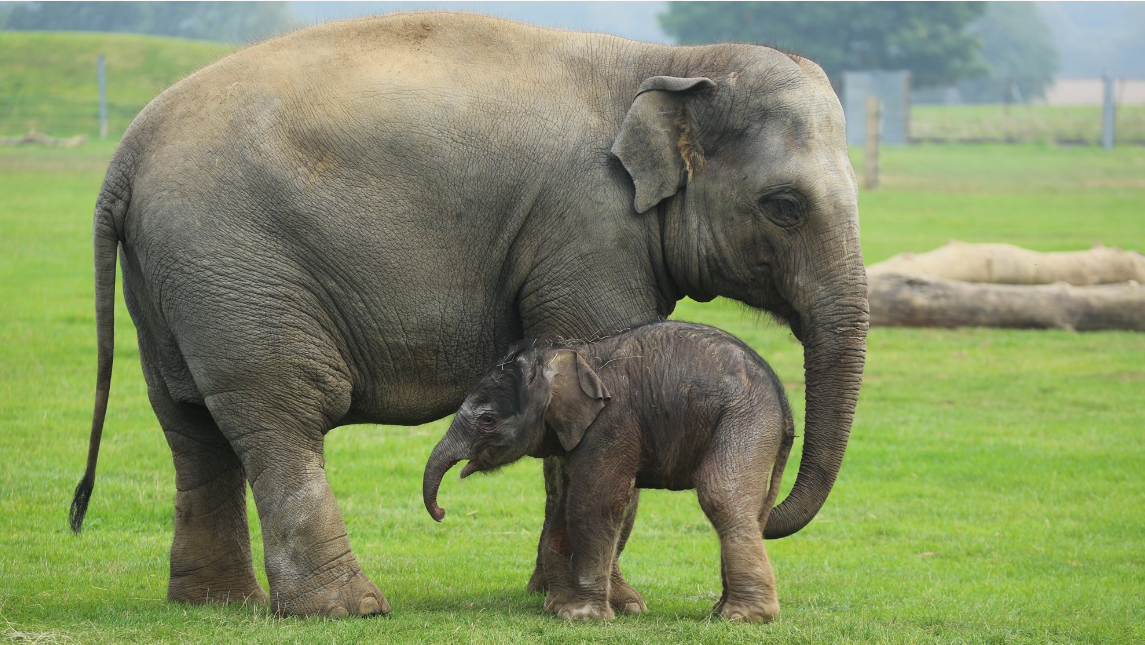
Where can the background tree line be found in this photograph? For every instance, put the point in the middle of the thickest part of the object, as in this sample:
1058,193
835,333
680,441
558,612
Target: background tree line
229,22
940,43
994,51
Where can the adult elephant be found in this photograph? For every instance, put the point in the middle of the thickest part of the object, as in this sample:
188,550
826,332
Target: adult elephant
350,223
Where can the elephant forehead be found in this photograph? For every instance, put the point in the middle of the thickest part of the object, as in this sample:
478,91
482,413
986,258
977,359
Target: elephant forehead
807,115
496,390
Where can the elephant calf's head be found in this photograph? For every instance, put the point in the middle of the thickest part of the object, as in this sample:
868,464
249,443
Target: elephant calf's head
538,401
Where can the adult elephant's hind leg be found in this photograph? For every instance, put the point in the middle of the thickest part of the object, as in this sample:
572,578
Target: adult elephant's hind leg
279,438
210,553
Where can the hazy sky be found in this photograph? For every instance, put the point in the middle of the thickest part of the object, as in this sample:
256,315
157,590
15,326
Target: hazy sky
635,20
1092,37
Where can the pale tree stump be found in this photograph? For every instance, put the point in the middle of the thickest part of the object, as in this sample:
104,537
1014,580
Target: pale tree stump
1008,264
999,285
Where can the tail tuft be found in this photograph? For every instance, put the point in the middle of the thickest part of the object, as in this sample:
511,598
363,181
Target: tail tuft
79,504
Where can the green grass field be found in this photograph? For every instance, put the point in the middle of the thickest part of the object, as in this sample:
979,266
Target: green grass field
992,492
48,80
1025,122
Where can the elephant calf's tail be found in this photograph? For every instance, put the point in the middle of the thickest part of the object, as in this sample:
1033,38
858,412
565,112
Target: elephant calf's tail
780,464
110,206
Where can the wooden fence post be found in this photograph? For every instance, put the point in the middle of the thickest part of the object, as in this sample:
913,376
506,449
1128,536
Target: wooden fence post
871,174
1107,113
102,98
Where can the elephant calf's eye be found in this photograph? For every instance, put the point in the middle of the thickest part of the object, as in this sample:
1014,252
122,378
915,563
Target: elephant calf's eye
485,423
784,209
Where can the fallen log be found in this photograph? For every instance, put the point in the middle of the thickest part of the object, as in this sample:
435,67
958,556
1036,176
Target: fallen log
912,300
44,140
1008,264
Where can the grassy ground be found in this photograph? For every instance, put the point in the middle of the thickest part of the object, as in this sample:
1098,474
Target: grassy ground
992,491
48,81
1024,122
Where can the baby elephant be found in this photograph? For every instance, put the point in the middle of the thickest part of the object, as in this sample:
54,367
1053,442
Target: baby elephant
668,405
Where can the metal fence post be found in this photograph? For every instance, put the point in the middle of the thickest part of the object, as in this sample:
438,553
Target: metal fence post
102,98
871,164
1107,114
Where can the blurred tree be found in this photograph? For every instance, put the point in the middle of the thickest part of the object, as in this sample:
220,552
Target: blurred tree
232,22
1018,48
930,39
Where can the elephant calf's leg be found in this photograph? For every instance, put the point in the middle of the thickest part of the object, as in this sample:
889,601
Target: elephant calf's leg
309,564
749,582
598,504
210,555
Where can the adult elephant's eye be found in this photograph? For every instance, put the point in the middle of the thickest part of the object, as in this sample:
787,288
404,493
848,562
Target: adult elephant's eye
783,209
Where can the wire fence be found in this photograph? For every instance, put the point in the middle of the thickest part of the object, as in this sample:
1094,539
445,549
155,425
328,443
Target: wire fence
63,116
1067,112
934,117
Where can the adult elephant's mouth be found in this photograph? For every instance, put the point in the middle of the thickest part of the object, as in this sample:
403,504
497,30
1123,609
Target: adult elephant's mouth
796,325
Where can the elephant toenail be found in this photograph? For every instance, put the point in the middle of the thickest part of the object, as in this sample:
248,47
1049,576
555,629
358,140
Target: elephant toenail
632,608
337,611
385,607
369,607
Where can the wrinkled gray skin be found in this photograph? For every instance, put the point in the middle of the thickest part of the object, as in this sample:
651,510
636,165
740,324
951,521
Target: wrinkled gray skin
668,405
350,223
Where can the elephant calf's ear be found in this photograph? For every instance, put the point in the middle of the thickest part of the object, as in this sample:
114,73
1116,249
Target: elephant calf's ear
576,398
654,139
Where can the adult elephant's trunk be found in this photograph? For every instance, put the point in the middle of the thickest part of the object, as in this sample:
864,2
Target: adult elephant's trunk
834,338
448,452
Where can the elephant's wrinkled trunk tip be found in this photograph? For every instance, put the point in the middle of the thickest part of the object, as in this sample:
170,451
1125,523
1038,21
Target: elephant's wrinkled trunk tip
430,485
439,463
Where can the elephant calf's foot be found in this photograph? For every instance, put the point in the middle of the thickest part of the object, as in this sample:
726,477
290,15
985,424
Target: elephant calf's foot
355,597
747,611
537,582
556,599
198,589
586,610
624,599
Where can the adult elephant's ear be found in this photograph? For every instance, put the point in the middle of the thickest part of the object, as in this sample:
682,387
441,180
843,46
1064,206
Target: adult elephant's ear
655,143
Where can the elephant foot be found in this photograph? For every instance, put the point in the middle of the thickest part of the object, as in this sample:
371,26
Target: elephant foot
586,610
355,597
748,612
216,582
719,606
537,582
624,599
555,600
201,588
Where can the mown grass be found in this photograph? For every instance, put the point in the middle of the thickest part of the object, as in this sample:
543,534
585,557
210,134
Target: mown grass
992,491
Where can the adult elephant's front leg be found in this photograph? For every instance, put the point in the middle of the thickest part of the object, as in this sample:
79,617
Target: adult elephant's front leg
309,564
538,582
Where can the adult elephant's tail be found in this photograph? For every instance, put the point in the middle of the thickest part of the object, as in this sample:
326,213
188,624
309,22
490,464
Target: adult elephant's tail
109,210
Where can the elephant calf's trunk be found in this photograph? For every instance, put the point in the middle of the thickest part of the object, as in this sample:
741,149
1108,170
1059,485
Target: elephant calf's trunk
439,463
